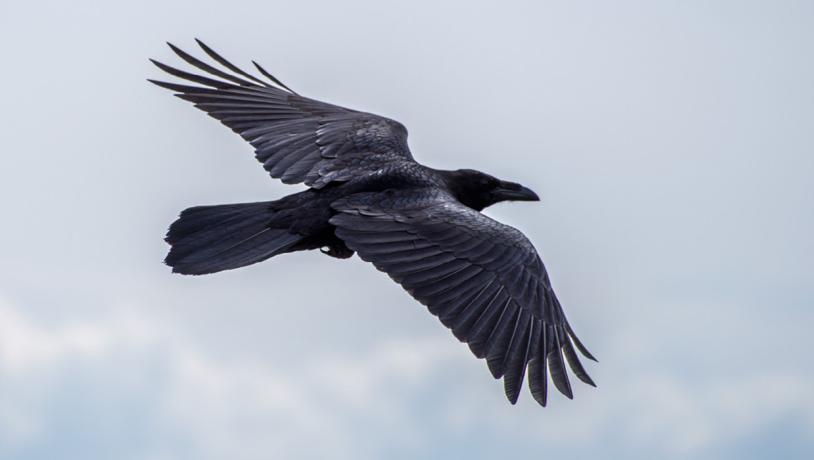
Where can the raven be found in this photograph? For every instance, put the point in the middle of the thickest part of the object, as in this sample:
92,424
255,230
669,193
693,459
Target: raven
367,195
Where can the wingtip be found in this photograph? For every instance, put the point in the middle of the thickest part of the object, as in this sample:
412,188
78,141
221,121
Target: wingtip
568,392
206,48
582,349
565,388
541,396
578,343
160,64
180,53
495,366
271,77
512,393
164,84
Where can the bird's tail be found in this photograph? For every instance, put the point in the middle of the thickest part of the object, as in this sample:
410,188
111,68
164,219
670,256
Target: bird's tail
209,239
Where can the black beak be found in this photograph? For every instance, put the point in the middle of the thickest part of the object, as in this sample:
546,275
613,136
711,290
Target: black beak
510,191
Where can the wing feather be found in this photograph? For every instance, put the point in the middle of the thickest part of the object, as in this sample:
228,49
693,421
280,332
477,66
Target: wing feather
295,138
518,357
483,280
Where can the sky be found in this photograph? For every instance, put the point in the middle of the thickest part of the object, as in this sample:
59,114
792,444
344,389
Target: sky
670,141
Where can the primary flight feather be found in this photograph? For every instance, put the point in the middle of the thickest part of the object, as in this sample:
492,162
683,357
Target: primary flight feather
367,195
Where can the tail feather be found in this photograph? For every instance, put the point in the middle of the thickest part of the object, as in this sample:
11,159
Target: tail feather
209,239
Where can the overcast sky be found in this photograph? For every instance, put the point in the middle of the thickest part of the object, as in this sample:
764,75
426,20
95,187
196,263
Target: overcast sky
671,142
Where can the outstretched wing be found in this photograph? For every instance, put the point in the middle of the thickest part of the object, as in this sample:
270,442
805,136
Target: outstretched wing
482,279
297,139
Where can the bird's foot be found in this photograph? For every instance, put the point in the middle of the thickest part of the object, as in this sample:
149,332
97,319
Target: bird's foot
338,251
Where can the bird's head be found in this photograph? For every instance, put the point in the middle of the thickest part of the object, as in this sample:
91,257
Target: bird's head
479,190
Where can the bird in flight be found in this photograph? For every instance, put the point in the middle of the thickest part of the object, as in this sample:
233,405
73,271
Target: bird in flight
367,195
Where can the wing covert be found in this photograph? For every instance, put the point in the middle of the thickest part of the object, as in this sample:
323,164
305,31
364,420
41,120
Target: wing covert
482,279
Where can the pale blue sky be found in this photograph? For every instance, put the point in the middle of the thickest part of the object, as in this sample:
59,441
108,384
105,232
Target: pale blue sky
671,143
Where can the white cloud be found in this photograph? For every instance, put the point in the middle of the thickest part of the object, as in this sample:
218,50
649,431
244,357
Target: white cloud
328,404
223,408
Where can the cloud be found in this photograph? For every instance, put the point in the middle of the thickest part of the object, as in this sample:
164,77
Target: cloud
143,377
214,408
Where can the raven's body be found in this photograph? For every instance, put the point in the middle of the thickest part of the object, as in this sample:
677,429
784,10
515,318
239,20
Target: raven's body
367,195
307,216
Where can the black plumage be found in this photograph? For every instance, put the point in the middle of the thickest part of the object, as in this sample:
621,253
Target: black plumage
367,195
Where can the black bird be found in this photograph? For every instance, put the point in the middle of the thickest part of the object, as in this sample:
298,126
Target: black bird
422,226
